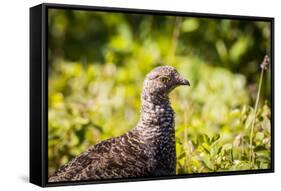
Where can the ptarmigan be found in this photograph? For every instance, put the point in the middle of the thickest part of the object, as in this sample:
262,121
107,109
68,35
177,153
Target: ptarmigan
146,150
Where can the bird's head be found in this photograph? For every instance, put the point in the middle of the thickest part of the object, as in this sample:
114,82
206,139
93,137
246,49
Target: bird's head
162,80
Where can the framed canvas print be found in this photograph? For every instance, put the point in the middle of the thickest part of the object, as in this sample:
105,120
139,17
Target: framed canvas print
127,94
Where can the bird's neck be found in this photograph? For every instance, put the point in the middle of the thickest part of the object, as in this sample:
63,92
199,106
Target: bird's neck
156,130
157,116
154,98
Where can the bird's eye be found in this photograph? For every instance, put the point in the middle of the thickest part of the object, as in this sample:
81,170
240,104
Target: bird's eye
164,79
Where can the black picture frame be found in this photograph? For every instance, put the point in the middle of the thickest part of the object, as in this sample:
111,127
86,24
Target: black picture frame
39,91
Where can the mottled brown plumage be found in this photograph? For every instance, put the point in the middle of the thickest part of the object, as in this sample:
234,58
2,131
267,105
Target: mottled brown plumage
146,150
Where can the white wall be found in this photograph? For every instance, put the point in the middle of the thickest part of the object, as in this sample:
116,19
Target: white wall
14,87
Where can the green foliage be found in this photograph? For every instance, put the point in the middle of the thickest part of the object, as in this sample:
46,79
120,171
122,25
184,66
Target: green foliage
97,66
99,37
228,150
92,103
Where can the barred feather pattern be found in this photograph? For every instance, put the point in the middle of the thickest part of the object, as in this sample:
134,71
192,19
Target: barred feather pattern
145,151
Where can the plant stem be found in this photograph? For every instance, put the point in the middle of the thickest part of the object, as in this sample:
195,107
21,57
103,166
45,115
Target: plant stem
253,122
185,143
176,33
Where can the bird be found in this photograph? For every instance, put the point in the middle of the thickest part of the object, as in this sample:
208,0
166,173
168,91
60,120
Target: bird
147,150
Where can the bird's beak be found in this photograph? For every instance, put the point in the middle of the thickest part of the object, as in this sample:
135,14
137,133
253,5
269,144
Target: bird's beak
182,81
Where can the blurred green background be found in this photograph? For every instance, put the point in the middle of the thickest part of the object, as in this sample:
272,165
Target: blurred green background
97,63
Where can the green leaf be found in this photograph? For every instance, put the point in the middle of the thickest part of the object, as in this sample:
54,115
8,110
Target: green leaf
207,161
260,148
259,136
215,138
190,25
206,139
239,48
182,155
227,147
206,147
